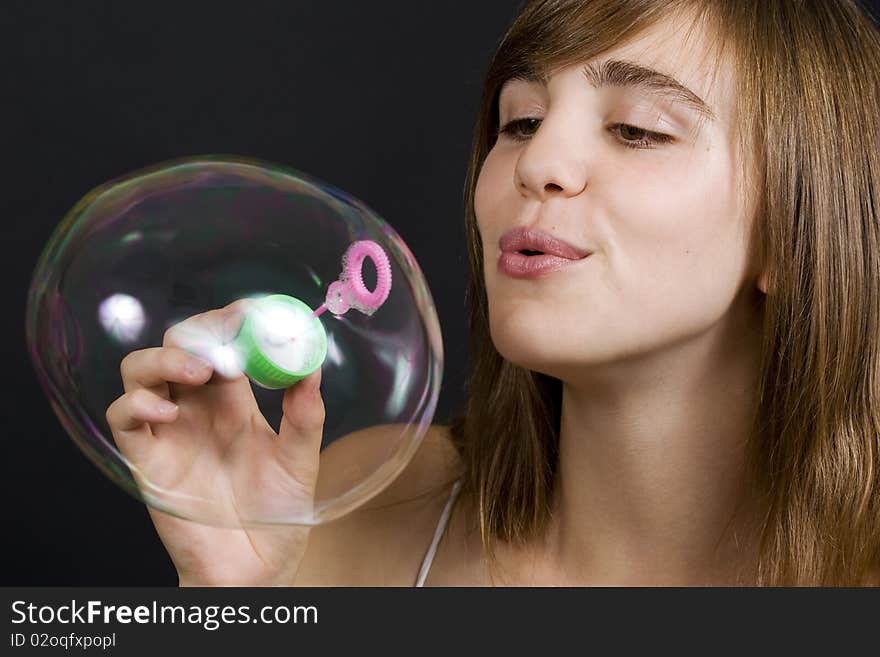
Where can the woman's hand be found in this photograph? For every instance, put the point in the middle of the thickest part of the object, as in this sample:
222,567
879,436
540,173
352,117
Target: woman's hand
189,431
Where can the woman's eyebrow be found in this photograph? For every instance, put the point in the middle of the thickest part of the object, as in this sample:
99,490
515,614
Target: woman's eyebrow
621,73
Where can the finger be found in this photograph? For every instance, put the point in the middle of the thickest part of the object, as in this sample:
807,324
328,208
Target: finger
154,367
302,426
233,316
135,409
211,335
211,328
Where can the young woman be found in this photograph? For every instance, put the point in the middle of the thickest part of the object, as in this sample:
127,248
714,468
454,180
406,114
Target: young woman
673,220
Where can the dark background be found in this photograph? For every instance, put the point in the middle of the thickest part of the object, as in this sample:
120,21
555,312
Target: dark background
376,98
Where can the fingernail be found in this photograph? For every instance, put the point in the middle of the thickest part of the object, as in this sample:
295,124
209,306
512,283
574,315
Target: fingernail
197,366
166,407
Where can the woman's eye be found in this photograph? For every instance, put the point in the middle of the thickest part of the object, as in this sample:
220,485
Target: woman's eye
629,135
633,137
513,129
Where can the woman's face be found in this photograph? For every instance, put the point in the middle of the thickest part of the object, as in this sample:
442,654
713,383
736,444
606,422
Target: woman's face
667,226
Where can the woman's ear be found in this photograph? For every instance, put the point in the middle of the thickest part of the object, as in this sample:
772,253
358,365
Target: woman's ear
762,282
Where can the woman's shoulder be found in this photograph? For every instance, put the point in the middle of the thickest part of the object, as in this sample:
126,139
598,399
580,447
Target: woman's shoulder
382,543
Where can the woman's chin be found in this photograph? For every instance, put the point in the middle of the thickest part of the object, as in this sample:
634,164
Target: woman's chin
520,346
549,351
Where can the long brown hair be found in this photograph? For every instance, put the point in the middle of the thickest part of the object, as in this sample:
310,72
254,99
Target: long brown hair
808,94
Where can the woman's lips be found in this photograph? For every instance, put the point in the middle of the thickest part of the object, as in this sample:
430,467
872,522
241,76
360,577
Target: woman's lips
517,265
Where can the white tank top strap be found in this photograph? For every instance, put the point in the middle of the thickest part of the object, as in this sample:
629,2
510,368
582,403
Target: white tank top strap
438,532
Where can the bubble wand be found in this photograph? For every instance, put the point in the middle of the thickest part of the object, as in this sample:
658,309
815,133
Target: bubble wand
282,340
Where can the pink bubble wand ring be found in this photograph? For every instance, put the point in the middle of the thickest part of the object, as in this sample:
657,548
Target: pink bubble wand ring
349,290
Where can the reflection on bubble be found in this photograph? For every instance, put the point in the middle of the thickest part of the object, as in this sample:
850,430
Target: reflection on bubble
334,353
226,360
180,254
122,316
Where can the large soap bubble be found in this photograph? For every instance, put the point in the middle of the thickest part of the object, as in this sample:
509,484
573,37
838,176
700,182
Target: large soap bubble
320,281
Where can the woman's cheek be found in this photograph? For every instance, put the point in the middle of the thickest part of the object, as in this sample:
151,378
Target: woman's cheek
486,190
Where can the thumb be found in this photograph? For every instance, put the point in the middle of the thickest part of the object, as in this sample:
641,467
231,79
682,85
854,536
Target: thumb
302,427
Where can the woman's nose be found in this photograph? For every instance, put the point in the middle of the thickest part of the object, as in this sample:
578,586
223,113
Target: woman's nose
550,165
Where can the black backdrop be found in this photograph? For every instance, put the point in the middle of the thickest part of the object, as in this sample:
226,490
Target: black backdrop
377,98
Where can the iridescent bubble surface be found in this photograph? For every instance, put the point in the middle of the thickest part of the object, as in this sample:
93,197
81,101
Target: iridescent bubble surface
158,248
